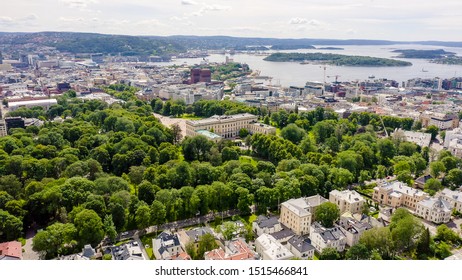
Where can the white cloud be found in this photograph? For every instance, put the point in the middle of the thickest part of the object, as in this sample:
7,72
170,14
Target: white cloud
81,4
188,2
297,20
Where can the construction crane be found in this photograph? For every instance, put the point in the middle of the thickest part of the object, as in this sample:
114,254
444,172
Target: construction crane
336,78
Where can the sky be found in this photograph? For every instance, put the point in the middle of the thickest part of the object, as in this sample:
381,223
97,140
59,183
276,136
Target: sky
409,20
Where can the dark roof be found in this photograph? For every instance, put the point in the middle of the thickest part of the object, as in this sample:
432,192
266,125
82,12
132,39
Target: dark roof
282,234
301,244
165,237
329,233
267,222
196,233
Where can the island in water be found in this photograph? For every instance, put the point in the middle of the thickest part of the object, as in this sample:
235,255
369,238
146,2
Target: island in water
330,48
426,54
336,59
439,56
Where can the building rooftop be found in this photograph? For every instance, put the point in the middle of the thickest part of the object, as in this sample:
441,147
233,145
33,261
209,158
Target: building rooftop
301,244
222,118
282,234
397,188
12,249
328,234
436,204
348,195
208,134
301,206
267,222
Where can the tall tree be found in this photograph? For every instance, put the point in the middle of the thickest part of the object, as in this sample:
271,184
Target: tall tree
327,213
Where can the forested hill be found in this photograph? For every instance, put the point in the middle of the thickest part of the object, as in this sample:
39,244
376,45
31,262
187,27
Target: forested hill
76,42
336,59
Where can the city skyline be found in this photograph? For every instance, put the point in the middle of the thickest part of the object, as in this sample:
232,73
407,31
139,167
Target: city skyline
331,19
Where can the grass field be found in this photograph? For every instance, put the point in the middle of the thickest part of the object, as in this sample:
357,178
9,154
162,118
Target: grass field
190,117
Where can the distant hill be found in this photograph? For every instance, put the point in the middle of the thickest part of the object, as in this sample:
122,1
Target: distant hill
75,42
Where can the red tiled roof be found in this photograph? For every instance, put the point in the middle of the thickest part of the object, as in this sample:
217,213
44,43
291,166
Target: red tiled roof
11,249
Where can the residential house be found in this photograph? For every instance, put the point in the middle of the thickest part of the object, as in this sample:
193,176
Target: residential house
130,251
266,224
352,228
453,197
166,246
322,238
434,209
301,247
270,249
11,250
194,235
236,249
347,201
283,235
297,214
398,194
87,253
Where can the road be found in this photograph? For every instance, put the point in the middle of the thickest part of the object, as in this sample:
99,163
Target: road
28,253
168,121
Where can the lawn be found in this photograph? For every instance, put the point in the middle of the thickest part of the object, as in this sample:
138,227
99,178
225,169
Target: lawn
191,117
147,240
247,159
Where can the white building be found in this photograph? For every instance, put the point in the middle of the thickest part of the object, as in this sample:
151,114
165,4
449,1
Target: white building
322,238
297,214
44,103
166,246
352,229
301,247
347,201
450,135
420,138
270,249
265,224
435,210
228,126
453,197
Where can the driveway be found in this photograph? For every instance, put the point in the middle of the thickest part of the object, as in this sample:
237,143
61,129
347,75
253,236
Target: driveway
28,253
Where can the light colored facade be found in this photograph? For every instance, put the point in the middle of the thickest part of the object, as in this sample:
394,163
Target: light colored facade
452,134
44,103
453,197
166,246
322,238
3,131
270,249
233,250
264,224
440,120
398,194
420,138
228,126
347,201
352,229
297,214
301,247
455,147
435,210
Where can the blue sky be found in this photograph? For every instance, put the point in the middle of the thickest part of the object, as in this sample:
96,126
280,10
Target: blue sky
334,19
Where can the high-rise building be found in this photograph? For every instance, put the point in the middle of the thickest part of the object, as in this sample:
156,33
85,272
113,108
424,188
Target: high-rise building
1,58
200,76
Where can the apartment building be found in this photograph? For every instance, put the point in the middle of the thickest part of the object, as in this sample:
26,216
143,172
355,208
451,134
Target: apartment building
270,249
441,120
398,194
297,214
322,238
347,201
434,209
233,250
228,126
453,197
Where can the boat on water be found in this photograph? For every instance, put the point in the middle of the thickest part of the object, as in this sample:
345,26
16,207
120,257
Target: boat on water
371,77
